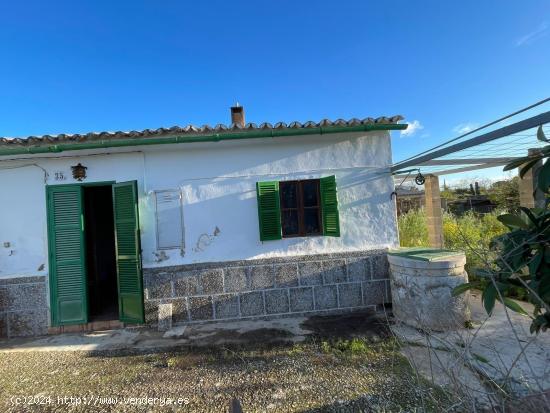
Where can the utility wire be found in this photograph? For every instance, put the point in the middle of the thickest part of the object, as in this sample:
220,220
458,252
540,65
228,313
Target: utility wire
477,129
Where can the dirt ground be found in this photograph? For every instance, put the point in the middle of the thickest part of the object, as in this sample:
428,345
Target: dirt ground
337,369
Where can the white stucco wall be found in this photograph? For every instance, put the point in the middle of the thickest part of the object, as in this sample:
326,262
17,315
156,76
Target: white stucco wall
217,183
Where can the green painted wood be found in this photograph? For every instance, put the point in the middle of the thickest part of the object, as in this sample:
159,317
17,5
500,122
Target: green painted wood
269,210
128,251
329,206
66,251
425,253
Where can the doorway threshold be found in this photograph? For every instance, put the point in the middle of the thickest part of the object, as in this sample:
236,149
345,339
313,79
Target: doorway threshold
91,326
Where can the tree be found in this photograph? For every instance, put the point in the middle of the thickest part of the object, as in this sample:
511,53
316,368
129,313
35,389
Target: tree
523,253
506,194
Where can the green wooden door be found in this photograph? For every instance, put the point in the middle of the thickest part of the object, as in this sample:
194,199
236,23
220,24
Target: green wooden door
67,259
130,281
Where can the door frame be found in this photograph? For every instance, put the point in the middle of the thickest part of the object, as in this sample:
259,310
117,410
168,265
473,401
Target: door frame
50,240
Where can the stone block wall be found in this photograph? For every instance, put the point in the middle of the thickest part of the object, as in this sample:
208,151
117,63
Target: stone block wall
23,306
266,288
204,292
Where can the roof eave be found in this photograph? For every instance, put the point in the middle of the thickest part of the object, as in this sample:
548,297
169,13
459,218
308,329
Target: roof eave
215,137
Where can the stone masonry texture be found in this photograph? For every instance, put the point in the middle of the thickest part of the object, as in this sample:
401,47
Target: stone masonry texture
203,292
271,287
23,306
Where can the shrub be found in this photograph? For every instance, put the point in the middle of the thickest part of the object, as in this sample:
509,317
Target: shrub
523,253
413,230
471,233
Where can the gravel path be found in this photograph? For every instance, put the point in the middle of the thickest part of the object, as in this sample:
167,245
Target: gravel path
320,375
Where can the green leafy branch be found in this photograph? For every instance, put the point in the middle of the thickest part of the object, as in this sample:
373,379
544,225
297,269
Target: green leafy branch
523,253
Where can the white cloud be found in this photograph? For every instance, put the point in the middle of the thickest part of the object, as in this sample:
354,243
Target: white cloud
413,127
529,38
464,127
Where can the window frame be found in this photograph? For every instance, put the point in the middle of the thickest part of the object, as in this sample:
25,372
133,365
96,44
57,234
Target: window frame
300,208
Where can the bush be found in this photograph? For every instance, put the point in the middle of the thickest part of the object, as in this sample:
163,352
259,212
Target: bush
471,233
522,254
413,229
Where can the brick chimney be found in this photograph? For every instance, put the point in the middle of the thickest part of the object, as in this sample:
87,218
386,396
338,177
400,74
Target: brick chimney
237,114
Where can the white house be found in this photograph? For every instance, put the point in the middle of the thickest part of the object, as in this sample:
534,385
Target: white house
192,224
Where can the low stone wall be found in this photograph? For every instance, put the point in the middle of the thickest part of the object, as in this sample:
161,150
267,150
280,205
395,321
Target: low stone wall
265,288
23,306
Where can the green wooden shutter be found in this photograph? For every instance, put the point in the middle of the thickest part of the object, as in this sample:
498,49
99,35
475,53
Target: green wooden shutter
66,252
128,250
269,210
329,207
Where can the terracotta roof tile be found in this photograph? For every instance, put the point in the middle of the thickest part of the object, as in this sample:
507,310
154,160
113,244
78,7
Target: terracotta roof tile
191,130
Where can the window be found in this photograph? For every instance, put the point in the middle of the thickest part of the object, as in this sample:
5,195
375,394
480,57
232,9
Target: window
300,208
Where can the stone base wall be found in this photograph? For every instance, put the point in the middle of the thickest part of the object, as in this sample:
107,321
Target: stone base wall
265,288
274,287
23,306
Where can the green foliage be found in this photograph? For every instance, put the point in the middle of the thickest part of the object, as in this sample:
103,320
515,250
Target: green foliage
343,347
523,253
505,194
470,233
448,194
413,229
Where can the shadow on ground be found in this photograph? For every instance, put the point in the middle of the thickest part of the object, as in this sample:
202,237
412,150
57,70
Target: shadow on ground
361,324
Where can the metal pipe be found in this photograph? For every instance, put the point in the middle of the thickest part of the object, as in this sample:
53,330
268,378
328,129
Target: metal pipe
271,133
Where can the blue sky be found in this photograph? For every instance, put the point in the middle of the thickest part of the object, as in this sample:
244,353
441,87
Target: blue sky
72,67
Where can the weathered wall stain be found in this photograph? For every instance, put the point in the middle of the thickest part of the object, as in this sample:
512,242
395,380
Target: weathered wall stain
160,256
205,240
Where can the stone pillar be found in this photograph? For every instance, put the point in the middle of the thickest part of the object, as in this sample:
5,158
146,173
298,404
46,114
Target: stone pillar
433,211
529,195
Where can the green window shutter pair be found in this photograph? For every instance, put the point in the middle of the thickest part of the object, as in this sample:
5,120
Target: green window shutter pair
269,209
67,254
